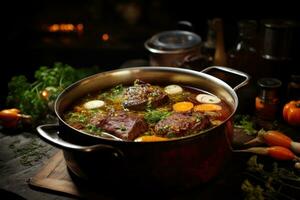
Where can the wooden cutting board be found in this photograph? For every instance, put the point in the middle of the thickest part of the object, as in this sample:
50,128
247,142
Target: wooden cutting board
54,177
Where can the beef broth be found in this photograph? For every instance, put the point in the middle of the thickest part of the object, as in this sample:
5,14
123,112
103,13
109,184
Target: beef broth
142,110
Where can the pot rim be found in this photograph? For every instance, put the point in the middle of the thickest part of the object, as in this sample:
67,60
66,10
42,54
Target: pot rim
148,68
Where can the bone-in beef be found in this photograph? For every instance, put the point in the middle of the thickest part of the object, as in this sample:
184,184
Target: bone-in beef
181,124
126,126
141,95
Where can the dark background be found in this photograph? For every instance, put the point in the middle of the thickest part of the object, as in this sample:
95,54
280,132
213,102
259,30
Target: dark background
26,46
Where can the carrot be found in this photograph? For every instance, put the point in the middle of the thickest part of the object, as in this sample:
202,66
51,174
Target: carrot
277,152
281,153
150,138
207,107
183,106
275,138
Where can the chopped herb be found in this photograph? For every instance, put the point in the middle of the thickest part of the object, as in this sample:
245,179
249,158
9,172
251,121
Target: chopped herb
244,122
117,90
93,129
198,119
76,117
154,116
171,135
113,94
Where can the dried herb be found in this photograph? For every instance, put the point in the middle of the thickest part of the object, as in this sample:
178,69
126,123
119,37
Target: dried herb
270,183
29,153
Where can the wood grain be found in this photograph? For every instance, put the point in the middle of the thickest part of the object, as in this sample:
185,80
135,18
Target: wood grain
55,177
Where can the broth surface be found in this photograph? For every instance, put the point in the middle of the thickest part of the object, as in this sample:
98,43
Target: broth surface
145,112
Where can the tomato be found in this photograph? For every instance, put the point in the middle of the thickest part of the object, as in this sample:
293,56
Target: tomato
291,113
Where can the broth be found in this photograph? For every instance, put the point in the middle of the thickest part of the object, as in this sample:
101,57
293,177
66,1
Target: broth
144,112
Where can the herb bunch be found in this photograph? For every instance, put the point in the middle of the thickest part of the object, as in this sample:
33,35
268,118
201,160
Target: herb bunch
36,98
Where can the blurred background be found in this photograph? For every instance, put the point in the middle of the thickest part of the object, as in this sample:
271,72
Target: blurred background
111,33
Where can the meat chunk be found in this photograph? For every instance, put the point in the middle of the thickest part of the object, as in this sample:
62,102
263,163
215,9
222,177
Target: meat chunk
181,124
126,126
141,95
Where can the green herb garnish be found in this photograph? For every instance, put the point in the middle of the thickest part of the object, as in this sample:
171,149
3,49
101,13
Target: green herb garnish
154,116
244,122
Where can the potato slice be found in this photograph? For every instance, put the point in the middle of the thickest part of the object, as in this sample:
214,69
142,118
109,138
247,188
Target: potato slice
173,89
93,104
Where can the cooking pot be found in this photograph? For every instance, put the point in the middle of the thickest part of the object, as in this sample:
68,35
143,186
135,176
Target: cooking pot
174,48
179,162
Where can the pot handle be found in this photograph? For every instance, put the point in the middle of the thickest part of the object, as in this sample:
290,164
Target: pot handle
49,132
232,71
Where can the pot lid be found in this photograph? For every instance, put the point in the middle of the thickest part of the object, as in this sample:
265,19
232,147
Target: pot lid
172,41
269,83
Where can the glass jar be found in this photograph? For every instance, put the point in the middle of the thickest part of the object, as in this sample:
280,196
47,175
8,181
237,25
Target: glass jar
267,101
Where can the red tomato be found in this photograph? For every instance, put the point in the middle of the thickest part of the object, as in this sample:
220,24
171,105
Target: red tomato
291,113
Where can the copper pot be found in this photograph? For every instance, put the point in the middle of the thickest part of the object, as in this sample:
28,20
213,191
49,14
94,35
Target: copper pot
180,162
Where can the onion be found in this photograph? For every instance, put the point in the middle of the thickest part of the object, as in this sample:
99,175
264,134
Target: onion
173,89
93,104
206,98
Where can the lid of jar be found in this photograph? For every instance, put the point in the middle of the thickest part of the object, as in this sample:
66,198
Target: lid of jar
269,83
295,78
173,42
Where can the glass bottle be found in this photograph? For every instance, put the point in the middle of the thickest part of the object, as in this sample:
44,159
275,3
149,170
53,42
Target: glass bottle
244,56
267,100
220,57
209,46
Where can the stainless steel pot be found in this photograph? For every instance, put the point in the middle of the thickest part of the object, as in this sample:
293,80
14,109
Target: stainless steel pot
181,162
174,48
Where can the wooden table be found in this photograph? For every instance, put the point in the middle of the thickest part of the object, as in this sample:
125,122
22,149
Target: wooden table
21,156
18,165
24,154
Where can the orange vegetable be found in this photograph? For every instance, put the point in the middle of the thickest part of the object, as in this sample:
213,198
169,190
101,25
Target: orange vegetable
277,152
9,114
150,138
275,138
183,106
281,153
207,107
291,113
10,117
